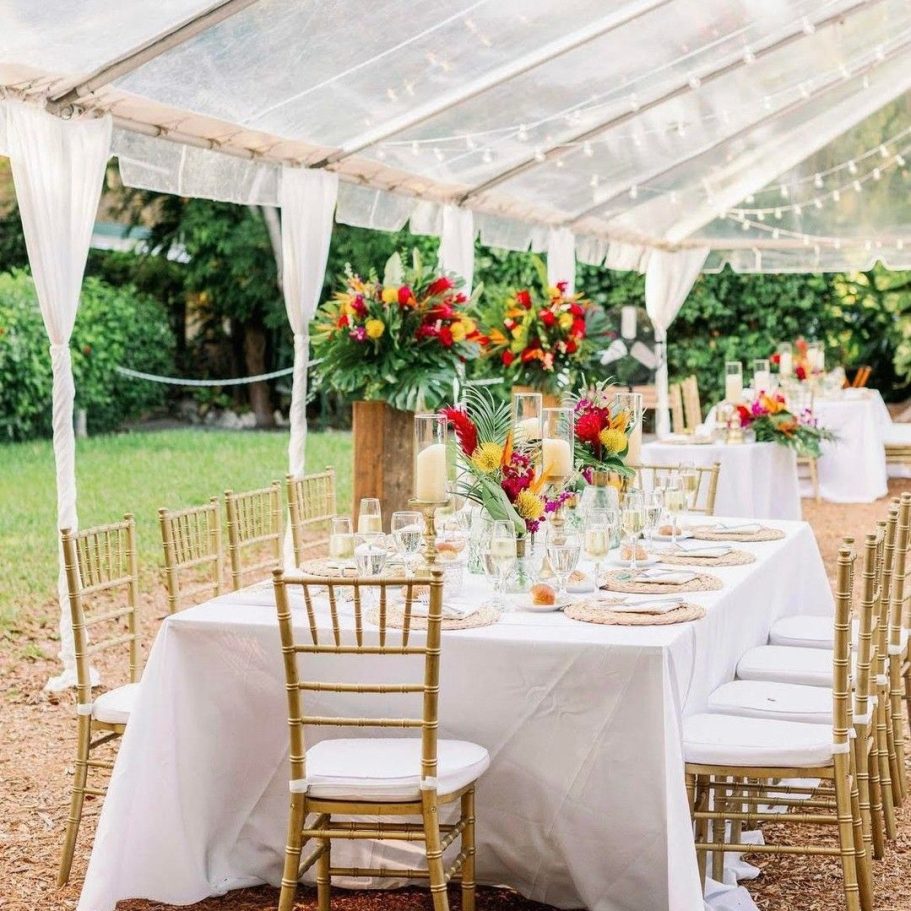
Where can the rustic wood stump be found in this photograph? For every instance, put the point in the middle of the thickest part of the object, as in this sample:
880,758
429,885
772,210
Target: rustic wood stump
383,456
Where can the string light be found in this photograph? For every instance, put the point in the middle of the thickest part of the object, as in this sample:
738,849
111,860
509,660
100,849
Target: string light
594,181
539,155
523,133
748,56
587,149
633,192
487,156
817,181
785,192
694,82
852,166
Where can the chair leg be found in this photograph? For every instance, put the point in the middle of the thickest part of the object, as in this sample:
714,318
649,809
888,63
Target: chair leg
296,816
862,762
898,724
468,846
849,859
702,825
877,821
719,799
77,799
434,851
885,774
863,864
323,876
895,767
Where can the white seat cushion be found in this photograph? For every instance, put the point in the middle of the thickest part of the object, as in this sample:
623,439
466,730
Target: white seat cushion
729,740
770,699
810,666
114,706
897,435
803,632
388,769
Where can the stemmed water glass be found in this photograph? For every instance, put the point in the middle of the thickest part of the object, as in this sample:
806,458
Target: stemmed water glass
500,556
654,508
407,530
369,516
632,521
341,539
563,551
600,525
690,477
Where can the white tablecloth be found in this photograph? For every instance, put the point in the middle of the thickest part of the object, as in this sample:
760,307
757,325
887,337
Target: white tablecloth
853,470
756,480
584,802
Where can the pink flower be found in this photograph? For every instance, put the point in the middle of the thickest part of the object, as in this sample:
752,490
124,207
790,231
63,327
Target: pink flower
358,333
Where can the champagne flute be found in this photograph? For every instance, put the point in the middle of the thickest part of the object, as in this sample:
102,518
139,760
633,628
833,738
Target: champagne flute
563,551
369,516
690,477
654,507
500,555
632,520
675,503
599,529
407,530
341,539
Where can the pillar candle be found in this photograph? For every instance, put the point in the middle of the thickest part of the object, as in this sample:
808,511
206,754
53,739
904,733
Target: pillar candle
733,387
431,474
557,457
786,364
528,429
762,381
634,450
628,322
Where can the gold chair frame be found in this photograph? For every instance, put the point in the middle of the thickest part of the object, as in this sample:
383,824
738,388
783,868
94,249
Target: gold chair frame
675,401
254,522
192,545
97,560
811,464
708,483
692,407
899,656
436,836
311,503
757,784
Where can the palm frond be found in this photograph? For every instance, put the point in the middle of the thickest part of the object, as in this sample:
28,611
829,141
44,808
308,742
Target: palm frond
491,417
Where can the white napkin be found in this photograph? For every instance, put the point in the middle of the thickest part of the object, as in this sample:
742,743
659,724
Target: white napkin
664,576
696,549
648,607
744,528
453,608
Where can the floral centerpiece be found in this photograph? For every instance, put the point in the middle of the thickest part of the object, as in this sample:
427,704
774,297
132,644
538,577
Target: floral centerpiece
544,338
504,479
800,367
769,419
602,431
399,340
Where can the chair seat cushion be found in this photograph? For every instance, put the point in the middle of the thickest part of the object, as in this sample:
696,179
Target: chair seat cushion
729,740
810,666
388,769
803,632
114,706
897,434
770,699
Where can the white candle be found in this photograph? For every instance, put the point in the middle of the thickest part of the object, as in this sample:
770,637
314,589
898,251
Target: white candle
762,381
628,322
634,450
820,358
557,457
528,429
430,474
786,364
733,387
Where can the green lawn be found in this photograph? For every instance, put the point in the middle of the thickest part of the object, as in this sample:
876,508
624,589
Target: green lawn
138,473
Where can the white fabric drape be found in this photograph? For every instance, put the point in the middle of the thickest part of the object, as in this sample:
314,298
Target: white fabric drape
669,277
561,258
58,169
457,244
307,201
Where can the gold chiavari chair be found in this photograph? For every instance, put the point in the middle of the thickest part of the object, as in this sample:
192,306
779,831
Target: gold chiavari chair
692,407
757,752
808,470
898,650
254,521
102,570
649,477
193,553
311,504
369,777
678,425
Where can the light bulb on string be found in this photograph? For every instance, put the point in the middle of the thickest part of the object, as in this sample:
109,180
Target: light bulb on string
560,163
806,240
797,210
633,103
748,56
750,198
865,82
807,26
817,203
778,214
487,156
900,160
587,149
785,192
522,135
837,243
817,181
760,216
470,144
804,90
438,154
899,244
775,233
745,225
694,82
852,167
883,151
836,195
415,149
877,173
858,188
633,191
539,155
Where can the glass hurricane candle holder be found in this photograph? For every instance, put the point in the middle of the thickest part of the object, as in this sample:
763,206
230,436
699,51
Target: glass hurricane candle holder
557,443
762,376
431,476
527,419
733,381
632,402
785,359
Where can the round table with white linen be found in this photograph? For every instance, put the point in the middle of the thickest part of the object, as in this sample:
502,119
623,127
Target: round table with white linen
756,480
853,469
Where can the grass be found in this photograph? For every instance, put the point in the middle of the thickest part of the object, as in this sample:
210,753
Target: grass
138,473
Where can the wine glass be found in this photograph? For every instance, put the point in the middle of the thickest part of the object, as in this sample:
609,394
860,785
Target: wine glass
452,537
563,551
675,504
599,530
632,521
690,477
407,530
341,538
654,508
500,555
369,516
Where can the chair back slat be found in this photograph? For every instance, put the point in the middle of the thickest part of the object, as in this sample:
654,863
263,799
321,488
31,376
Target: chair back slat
692,408
102,564
649,477
898,599
675,400
841,652
254,523
311,504
344,641
193,554
869,604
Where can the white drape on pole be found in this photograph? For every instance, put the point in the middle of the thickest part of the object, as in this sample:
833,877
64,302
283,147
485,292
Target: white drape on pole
561,258
669,277
307,200
457,244
58,169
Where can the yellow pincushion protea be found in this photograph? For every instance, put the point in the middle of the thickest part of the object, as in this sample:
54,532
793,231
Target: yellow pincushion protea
487,457
612,440
375,328
529,505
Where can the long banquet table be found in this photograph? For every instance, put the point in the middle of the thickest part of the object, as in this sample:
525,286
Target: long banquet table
583,805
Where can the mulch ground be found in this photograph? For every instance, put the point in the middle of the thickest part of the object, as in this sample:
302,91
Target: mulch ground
36,767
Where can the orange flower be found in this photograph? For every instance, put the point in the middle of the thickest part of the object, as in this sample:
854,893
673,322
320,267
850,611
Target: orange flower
773,406
620,421
788,428
497,337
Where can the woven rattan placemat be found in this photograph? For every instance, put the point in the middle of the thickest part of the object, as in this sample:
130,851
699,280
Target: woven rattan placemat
710,533
486,615
602,612
619,580
734,558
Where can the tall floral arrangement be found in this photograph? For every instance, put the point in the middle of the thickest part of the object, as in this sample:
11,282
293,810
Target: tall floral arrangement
399,340
544,338
602,430
771,421
800,361
503,478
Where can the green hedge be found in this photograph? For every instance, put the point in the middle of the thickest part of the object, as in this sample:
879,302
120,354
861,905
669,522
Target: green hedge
114,325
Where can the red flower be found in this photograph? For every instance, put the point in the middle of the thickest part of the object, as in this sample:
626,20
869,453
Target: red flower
576,310
342,321
438,286
446,337
775,358
529,354
570,346
523,299
426,331
548,318
507,357
358,305
444,311
465,430
406,296
578,328
588,426
800,372
562,286
509,324
745,415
